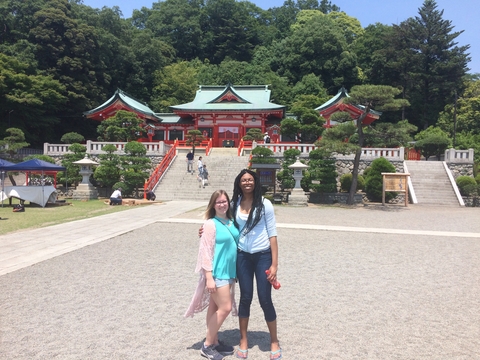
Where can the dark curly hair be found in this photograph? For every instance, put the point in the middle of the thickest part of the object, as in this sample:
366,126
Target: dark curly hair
257,205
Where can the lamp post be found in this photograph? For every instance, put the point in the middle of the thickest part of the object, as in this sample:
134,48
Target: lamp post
85,190
298,197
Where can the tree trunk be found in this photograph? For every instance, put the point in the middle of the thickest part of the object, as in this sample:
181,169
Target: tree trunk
353,187
12,180
356,161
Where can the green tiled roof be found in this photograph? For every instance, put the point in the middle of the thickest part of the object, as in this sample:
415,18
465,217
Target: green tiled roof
342,93
128,100
171,118
230,98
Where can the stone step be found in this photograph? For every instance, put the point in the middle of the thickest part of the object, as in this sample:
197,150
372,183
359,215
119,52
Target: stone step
223,165
431,183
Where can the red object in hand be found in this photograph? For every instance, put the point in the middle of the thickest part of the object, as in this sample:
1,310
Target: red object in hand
276,285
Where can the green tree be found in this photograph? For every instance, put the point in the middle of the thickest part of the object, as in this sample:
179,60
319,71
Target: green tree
29,100
174,84
373,58
432,141
290,127
194,138
109,170
229,31
370,97
135,167
321,172
123,126
310,90
72,137
151,54
178,23
253,134
262,155
67,50
13,142
435,64
285,176
463,114
72,175
317,47
469,141
309,127
388,135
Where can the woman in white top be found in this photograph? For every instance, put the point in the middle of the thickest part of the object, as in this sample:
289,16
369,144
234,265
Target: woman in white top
257,253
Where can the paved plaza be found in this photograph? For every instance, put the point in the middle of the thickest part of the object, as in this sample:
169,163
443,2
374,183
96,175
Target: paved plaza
369,282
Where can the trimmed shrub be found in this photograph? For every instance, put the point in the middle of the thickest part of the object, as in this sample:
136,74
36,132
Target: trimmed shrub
374,180
346,182
465,184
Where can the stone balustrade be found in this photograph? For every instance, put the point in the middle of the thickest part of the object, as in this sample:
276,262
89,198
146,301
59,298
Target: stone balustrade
95,148
280,148
459,156
392,154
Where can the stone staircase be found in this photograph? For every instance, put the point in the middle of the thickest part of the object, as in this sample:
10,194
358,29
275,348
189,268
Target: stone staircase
431,183
223,166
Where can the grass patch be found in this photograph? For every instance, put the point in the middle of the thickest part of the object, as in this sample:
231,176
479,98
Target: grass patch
38,217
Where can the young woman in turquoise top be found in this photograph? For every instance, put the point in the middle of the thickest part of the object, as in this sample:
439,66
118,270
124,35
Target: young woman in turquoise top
217,259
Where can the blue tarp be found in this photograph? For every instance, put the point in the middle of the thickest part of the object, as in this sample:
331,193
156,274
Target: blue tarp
5,163
34,165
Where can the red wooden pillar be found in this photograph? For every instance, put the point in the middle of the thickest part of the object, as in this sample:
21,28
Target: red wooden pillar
216,140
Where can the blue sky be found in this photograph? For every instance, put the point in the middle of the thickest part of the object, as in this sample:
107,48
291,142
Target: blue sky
464,14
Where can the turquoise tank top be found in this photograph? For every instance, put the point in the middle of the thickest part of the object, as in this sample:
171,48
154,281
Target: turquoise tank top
225,256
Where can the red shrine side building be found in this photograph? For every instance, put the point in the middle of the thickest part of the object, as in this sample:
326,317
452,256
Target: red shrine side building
222,113
336,104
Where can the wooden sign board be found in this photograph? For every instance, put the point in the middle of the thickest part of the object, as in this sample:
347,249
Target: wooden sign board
397,182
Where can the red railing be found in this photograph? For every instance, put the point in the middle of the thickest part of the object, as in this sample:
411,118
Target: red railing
205,144
208,146
240,147
250,161
160,169
413,154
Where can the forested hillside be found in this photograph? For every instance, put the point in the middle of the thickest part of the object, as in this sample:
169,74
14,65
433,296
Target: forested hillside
59,58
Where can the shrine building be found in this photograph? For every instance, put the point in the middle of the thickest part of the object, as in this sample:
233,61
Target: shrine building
336,104
222,113
226,113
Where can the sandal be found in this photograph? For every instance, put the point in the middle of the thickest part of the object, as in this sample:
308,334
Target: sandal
276,355
241,354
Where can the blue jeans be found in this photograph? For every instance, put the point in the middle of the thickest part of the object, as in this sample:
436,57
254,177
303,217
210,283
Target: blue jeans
115,201
248,266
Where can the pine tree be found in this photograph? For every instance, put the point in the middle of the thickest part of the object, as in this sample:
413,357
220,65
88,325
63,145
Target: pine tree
435,64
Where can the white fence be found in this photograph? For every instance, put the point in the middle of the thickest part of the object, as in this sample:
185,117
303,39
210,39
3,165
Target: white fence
367,153
95,148
459,156
280,148
160,148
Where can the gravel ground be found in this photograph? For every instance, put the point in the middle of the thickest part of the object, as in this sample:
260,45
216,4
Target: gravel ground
344,295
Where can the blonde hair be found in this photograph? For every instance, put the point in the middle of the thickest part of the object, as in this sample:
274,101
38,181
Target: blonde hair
210,212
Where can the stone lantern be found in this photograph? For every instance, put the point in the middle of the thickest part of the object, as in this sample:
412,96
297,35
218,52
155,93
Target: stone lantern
298,197
85,190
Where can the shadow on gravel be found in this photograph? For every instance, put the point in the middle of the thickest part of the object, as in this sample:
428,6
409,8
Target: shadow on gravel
231,337
386,208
